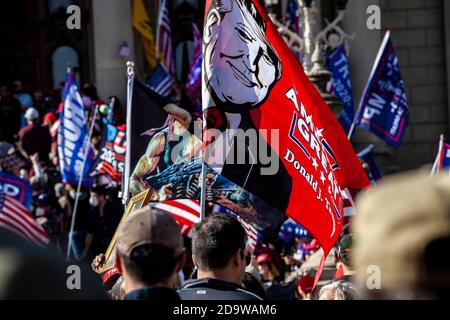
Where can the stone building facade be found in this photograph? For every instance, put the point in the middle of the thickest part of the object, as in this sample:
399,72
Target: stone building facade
420,33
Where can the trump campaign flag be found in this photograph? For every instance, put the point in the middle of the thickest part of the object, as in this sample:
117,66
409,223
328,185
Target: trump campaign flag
442,161
16,188
342,85
268,130
383,109
111,158
73,139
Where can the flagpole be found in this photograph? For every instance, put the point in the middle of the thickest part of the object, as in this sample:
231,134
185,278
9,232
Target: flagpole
127,174
80,180
372,73
161,6
352,128
203,192
436,161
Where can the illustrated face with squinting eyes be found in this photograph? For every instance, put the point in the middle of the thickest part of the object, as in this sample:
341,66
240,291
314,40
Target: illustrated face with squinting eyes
242,67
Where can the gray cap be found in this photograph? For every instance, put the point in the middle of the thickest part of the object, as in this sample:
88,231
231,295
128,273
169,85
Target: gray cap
149,226
396,221
31,114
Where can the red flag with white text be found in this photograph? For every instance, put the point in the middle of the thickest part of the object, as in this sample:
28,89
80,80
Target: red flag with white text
252,81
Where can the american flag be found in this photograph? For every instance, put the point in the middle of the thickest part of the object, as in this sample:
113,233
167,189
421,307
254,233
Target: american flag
253,236
161,82
185,212
165,38
16,218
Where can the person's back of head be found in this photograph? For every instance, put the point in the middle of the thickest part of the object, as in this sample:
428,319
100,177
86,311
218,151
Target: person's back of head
218,248
337,290
345,248
150,250
32,115
403,238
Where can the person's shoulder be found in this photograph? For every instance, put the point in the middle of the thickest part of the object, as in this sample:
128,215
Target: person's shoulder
25,131
247,295
213,289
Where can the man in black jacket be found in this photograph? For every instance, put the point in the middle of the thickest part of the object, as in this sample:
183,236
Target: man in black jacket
218,252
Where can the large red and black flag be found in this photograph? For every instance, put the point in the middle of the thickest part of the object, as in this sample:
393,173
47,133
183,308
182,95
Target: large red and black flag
301,159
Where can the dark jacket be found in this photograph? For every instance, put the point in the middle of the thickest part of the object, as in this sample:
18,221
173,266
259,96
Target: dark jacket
163,294
214,289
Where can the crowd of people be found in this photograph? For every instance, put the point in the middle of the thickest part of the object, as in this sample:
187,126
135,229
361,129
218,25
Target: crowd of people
401,230
29,129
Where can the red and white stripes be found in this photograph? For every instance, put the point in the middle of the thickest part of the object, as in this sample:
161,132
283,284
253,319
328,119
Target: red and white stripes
16,218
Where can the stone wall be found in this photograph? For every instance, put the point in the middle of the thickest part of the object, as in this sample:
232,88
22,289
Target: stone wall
418,33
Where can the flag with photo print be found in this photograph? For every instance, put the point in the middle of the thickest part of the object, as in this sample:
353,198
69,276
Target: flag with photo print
253,83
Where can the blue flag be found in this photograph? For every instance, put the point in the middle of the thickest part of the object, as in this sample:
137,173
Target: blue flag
373,173
383,109
445,157
342,85
294,24
290,229
16,188
442,162
73,140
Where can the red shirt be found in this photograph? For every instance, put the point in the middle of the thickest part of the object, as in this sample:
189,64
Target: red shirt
36,139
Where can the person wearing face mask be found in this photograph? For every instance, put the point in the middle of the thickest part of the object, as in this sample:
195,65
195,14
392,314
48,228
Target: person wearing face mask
103,218
49,217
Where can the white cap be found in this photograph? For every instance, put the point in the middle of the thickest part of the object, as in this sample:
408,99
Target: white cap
31,114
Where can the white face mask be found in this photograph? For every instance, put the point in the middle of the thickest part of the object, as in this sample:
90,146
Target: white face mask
93,201
72,194
40,212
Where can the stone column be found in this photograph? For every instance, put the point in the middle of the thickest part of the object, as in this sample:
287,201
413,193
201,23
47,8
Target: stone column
112,26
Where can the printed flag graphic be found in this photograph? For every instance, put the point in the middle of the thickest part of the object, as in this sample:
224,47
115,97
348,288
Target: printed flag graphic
73,140
252,82
383,109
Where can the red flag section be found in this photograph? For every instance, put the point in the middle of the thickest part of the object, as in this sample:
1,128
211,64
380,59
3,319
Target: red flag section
252,77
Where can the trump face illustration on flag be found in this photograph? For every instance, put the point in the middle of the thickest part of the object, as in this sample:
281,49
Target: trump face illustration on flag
243,67
240,69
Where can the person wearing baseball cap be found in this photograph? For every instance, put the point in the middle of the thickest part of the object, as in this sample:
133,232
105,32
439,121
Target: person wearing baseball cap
344,254
150,253
35,138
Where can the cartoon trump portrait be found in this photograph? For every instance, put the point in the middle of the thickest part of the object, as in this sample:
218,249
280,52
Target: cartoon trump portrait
240,68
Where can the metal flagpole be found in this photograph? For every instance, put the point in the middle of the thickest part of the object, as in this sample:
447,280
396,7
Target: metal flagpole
372,73
436,161
352,128
158,28
203,192
126,182
80,180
